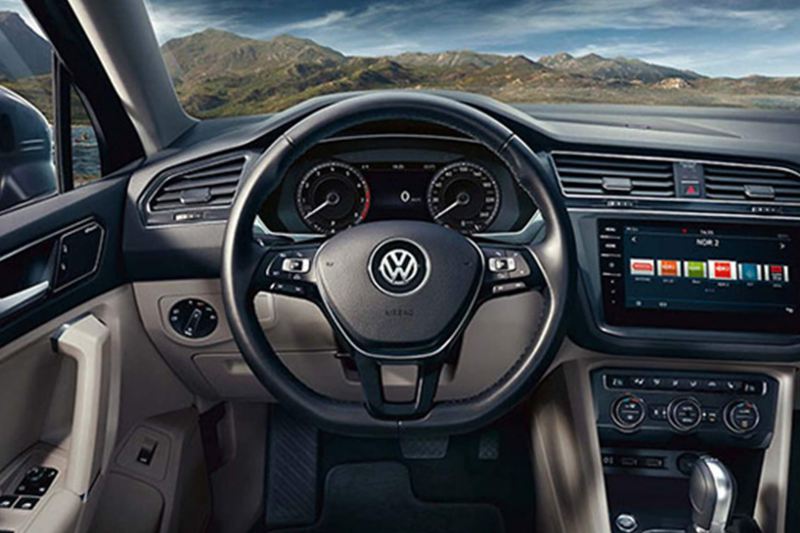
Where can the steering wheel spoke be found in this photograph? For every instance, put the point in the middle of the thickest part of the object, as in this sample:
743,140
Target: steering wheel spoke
398,389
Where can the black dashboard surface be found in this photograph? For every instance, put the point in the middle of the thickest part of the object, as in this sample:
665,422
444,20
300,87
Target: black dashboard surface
730,135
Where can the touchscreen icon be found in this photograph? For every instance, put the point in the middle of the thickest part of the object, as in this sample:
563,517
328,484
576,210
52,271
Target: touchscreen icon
722,270
749,272
778,273
695,269
669,268
643,267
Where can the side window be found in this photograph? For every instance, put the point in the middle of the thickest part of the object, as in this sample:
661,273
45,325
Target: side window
85,151
30,165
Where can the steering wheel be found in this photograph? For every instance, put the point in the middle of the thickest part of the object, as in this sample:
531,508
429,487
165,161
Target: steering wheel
399,294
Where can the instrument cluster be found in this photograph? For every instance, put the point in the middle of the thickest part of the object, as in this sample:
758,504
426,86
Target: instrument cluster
464,189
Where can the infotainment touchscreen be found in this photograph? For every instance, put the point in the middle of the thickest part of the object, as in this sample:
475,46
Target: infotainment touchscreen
730,277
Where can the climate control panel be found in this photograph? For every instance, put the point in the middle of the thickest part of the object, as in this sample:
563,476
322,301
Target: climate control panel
657,407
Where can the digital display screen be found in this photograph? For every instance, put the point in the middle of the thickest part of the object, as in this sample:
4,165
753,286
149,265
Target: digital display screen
398,190
706,276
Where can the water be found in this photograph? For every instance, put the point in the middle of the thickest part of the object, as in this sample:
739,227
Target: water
85,155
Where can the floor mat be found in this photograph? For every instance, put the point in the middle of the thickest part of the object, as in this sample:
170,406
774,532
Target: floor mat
377,497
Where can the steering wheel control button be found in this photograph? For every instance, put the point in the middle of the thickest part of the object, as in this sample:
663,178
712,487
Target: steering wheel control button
742,416
291,265
399,267
193,318
628,412
507,270
684,414
295,265
502,264
626,523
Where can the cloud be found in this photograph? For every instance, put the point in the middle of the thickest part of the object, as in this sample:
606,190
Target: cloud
171,21
681,33
331,18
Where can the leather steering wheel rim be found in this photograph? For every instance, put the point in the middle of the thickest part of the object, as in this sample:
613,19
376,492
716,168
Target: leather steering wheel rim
554,254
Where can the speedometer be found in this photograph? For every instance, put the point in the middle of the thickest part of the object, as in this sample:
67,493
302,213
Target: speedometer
332,196
464,196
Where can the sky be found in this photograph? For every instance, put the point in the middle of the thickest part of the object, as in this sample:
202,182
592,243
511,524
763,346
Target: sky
714,37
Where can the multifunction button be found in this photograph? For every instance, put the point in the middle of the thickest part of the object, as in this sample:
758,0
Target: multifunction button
742,416
687,384
628,412
509,270
684,414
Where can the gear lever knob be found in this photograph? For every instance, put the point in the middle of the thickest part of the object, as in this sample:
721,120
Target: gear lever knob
712,493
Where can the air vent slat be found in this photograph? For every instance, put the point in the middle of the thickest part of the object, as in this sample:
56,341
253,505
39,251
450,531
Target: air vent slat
217,170
665,175
599,175
201,186
749,183
182,184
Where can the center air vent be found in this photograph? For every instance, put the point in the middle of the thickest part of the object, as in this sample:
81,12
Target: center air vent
204,190
751,183
600,175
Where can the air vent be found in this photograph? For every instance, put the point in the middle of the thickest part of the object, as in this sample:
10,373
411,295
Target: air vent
197,188
751,183
599,175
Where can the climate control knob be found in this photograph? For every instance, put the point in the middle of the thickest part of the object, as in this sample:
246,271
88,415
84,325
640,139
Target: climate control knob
628,412
684,414
742,416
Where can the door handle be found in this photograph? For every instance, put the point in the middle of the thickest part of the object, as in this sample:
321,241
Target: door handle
14,302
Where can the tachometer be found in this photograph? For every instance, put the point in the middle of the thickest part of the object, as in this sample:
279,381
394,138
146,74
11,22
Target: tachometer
332,196
464,196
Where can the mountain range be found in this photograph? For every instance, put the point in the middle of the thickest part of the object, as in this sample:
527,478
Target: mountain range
23,52
221,73
218,73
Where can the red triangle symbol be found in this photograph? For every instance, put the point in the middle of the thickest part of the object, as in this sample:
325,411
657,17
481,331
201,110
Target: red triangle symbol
691,190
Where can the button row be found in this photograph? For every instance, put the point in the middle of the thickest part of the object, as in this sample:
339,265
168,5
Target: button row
633,461
755,387
24,503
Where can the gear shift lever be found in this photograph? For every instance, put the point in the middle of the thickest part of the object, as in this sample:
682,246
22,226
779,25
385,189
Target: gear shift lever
712,493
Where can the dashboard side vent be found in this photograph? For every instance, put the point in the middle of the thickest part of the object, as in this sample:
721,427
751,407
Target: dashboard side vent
207,184
601,175
751,183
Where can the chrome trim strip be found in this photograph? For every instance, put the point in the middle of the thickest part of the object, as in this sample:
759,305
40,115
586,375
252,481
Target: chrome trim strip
669,160
13,302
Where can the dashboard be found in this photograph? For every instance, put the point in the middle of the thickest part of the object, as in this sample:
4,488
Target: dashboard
686,222
346,181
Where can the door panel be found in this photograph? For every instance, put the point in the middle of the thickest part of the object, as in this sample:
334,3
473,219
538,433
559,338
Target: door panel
59,384
31,252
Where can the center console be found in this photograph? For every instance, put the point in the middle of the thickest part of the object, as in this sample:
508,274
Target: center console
653,426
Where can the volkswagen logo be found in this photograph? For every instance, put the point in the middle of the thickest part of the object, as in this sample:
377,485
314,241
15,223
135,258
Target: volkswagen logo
398,267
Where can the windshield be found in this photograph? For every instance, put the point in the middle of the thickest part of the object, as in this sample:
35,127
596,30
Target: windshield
254,56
